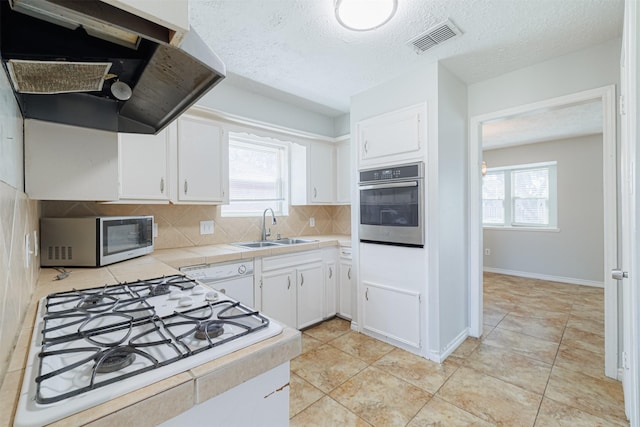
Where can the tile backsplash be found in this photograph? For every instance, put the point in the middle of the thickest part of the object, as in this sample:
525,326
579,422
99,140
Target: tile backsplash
18,218
179,225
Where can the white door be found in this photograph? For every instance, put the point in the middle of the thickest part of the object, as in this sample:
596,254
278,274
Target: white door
144,166
200,160
322,173
629,230
310,295
279,296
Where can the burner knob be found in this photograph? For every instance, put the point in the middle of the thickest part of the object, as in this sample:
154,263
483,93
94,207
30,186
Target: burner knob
242,269
185,301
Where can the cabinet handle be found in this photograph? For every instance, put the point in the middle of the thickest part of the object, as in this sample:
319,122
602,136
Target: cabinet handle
162,185
315,192
366,294
349,273
330,273
366,147
260,283
301,279
288,282
186,186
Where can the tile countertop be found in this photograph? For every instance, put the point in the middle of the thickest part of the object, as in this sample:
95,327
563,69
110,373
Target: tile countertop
164,399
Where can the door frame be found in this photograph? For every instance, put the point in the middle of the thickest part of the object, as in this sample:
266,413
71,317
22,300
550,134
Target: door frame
606,95
629,81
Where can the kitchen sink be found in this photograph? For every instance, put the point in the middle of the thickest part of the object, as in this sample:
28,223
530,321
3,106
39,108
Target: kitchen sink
293,241
272,243
258,244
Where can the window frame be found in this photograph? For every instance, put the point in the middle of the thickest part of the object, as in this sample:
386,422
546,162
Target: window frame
245,139
509,198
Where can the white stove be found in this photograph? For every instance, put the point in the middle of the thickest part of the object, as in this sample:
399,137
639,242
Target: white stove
93,345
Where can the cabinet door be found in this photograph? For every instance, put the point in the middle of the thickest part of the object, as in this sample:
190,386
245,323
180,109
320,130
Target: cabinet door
201,160
64,162
344,289
392,313
279,296
343,172
330,281
310,295
144,166
392,137
322,175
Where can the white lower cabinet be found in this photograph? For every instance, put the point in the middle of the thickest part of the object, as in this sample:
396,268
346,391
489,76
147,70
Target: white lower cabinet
331,275
292,288
260,401
330,295
391,312
310,296
345,285
278,297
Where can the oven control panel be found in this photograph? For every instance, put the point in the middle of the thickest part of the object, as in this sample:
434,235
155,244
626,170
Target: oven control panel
414,170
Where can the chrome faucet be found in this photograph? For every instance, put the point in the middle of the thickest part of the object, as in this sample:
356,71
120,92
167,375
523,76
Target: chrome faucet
266,234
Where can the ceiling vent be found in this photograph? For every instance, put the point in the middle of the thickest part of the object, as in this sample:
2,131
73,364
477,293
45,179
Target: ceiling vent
434,36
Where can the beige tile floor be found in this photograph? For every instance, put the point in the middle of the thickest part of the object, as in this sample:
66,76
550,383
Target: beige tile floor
539,362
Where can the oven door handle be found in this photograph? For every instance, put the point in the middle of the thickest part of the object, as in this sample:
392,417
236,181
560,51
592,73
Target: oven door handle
389,185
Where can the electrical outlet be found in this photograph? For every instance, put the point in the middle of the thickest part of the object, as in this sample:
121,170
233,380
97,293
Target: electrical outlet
312,222
206,227
487,251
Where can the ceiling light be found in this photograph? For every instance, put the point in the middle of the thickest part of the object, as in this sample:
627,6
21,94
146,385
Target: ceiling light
365,15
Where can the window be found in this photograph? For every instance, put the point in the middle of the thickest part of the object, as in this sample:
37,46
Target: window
258,175
520,196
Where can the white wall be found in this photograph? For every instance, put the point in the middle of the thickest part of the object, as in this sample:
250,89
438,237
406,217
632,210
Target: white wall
18,218
576,252
233,99
452,204
586,69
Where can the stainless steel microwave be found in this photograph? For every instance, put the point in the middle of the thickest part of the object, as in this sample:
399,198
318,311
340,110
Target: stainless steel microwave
392,205
94,241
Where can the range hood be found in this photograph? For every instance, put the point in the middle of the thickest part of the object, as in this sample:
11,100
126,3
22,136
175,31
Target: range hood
109,70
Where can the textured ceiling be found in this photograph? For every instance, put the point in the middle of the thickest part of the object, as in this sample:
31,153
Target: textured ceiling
297,47
566,122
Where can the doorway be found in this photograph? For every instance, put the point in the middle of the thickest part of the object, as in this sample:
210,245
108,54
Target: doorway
606,95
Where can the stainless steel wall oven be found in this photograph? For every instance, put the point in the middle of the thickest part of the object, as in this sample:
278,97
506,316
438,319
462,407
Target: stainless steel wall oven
392,205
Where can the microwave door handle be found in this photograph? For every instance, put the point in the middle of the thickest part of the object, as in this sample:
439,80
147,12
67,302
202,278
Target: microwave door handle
389,185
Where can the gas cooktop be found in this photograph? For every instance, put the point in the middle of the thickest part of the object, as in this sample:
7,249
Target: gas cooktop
92,345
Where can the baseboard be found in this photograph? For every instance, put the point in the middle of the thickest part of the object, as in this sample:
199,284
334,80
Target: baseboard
450,348
549,278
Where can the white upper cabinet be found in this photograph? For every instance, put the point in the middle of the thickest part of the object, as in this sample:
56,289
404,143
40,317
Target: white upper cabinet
313,174
144,166
394,137
65,162
202,161
170,14
343,172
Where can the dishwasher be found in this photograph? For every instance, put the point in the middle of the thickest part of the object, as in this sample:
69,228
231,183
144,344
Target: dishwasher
234,279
